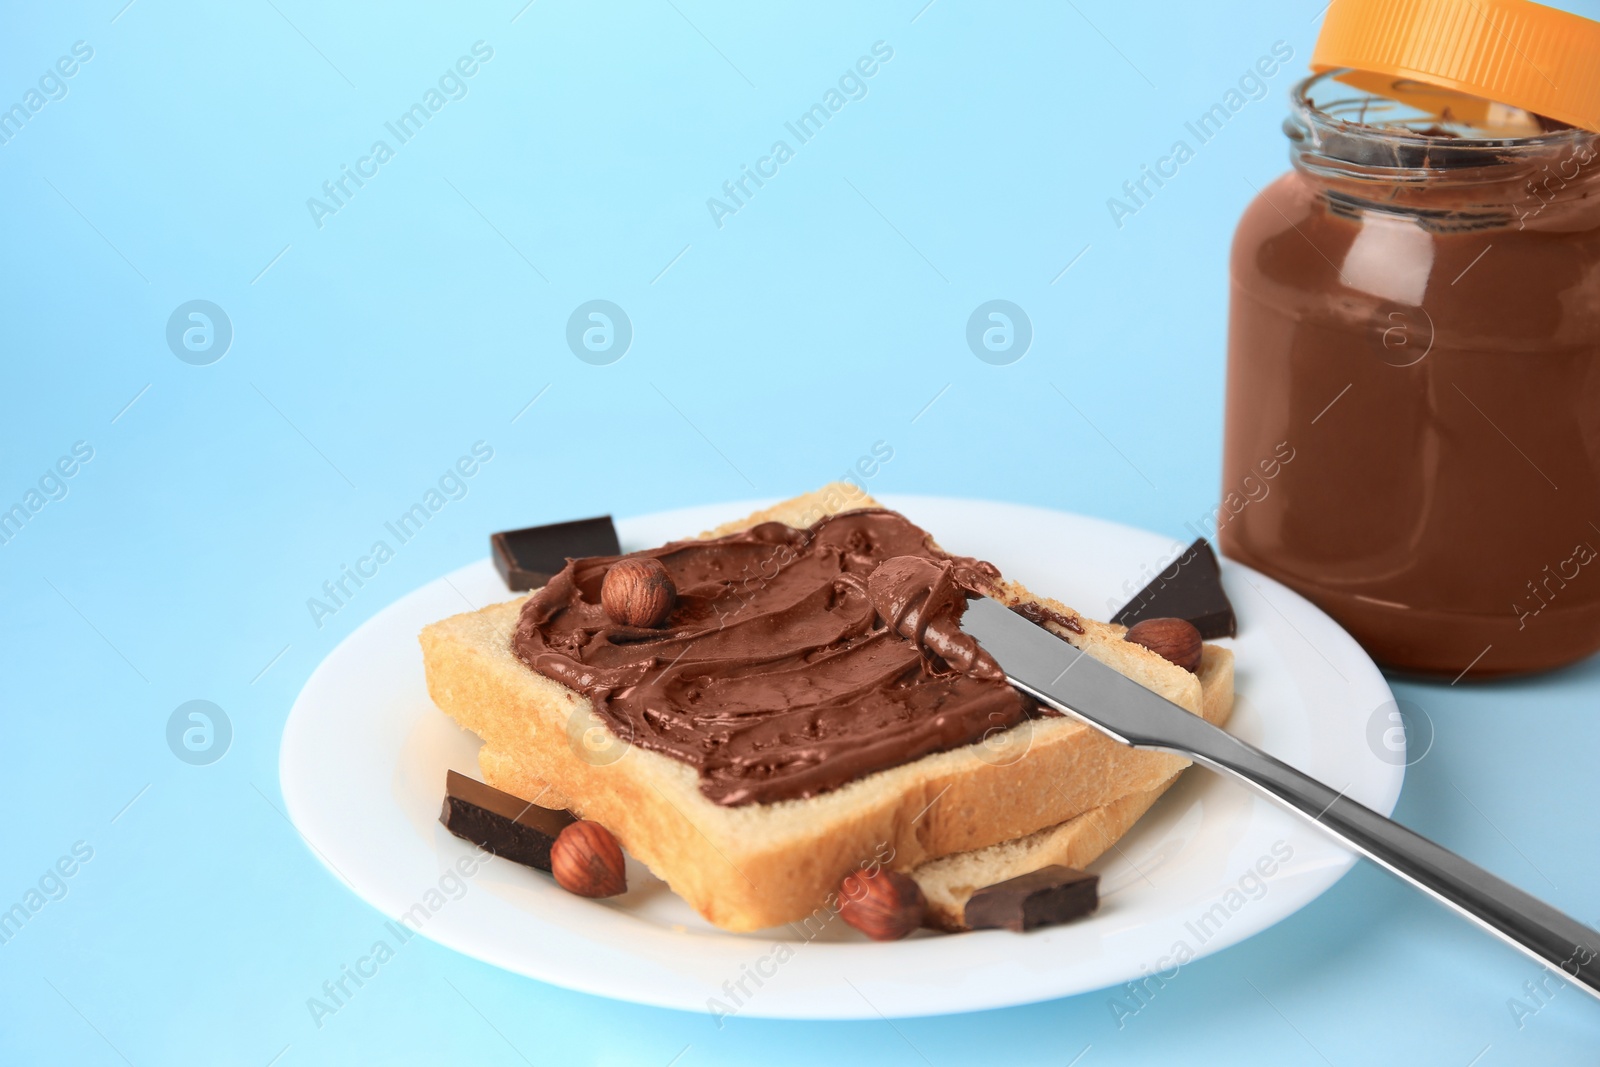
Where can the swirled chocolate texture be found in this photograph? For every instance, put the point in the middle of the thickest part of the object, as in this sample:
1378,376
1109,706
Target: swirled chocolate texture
796,660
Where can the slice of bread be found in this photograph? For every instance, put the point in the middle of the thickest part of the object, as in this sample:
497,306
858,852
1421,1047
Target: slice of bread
761,865
949,882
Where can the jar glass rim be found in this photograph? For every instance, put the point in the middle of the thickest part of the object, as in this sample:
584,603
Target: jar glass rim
1342,130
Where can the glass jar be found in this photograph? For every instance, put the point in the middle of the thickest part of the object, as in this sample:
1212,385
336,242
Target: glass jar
1413,399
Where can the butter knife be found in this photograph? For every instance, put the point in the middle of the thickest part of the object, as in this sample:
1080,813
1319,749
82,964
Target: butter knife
1057,674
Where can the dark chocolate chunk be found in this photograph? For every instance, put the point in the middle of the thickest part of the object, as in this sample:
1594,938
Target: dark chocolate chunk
528,558
1044,897
506,825
1190,589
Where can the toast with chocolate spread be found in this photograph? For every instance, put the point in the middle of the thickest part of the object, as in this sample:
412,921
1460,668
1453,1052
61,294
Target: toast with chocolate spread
788,698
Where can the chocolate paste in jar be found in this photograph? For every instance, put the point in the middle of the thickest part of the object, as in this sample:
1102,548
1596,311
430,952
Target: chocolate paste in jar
1413,399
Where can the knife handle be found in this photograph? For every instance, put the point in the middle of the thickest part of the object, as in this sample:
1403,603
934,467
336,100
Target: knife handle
1526,922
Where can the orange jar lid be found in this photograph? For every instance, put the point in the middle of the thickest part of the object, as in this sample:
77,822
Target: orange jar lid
1510,52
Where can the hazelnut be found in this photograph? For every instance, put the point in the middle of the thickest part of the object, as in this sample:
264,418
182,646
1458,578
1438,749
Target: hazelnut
884,905
587,860
1174,640
638,591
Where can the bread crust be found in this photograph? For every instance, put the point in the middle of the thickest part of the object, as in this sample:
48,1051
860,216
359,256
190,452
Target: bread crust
761,865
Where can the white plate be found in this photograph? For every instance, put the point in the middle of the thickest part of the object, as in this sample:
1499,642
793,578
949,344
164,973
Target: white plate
365,752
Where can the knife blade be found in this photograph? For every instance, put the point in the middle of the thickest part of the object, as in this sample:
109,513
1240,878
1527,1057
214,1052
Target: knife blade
1073,682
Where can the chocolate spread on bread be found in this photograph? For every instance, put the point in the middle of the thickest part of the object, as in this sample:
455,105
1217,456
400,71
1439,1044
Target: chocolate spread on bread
794,662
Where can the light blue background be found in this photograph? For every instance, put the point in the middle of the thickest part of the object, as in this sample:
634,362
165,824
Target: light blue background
768,355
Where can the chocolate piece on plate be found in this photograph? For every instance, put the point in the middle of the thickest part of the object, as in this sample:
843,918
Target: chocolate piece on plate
508,826
1044,897
528,558
1190,589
